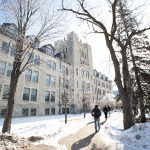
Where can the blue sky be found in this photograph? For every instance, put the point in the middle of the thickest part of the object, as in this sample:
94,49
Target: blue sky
101,57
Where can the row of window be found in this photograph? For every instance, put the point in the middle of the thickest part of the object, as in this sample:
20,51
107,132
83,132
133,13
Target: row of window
29,94
30,112
99,83
5,67
32,58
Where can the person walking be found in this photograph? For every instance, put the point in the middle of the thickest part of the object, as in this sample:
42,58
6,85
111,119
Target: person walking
105,110
96,113
108,107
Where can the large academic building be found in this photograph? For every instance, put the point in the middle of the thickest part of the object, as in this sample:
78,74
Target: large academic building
58,77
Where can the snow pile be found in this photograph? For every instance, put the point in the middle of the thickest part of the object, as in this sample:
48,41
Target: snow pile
136,137
12,142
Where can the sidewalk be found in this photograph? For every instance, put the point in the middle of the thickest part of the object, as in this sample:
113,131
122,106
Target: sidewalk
87,139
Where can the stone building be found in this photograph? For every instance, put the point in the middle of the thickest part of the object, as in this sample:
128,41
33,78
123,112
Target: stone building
57,77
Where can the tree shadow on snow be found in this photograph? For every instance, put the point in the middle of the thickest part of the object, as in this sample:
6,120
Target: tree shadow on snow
82,143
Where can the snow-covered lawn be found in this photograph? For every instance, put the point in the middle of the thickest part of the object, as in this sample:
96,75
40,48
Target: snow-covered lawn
53,128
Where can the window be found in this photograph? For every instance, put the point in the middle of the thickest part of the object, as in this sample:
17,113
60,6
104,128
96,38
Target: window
3,113
83,85
53,65
46,111
49,64
37,60
47,95
88,86
62,70
2,67
82,73
0,87
26,94
6,92
9,69
33,94
5,47
67,71
35,76
28,74
13,51
47,80
62,82
104,92
33,112
52,96
77,71
30,57
25,112
53,80
53,111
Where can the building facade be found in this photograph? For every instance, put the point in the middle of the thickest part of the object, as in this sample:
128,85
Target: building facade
57,78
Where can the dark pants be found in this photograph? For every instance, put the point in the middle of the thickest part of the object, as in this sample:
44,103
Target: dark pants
105,115
97,123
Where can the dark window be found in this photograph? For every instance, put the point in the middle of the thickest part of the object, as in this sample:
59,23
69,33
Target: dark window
46,111
9,69
28,74
26,94
25,112
35,75
47,79
37,60
104,92
63,110
6,92
30,57
33,94
13,51
53,80
0,87
5,47
47,95
67,71
33,112
53,111
3,113
2,67
52,96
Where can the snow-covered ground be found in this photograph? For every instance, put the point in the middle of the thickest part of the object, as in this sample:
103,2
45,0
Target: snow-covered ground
53,128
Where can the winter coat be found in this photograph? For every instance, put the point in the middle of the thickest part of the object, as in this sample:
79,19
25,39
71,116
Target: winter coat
96,112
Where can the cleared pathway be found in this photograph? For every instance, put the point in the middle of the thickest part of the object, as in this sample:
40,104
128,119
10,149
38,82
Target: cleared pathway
87,139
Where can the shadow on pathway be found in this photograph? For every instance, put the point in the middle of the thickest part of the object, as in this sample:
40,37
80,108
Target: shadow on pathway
93,122
82,143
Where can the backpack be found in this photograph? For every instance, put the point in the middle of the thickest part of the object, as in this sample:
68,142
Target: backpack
97,112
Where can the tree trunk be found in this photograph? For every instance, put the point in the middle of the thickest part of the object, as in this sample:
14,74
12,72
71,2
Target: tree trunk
10,105
13,85
124,92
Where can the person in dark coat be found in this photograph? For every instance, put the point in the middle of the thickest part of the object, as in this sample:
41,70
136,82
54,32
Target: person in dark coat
105,110
96,113
108,110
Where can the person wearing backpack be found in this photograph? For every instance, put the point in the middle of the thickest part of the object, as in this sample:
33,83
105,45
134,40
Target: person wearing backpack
96,113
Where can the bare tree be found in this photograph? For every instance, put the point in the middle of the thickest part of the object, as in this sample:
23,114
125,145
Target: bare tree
27,15
112,40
